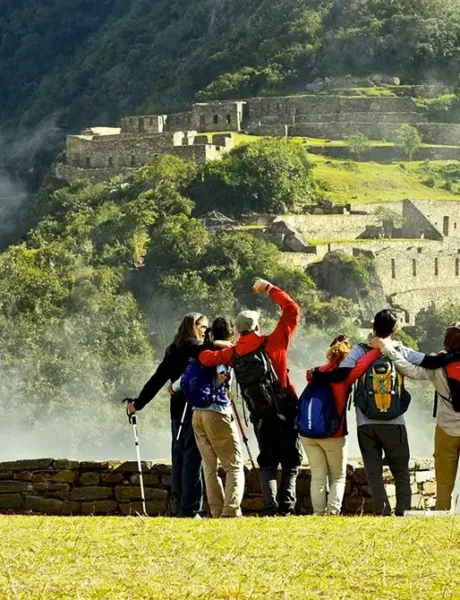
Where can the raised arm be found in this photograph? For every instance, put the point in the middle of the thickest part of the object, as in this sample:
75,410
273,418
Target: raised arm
289,320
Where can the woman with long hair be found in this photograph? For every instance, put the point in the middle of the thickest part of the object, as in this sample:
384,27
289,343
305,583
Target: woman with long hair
186,479
217,435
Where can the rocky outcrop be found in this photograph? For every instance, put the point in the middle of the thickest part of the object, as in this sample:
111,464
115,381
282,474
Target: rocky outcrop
69,487
286,237
339,274
216,220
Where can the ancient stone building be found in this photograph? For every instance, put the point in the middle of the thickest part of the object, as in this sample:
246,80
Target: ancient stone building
100,156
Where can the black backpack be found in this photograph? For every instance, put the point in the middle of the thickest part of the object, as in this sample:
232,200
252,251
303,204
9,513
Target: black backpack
258,383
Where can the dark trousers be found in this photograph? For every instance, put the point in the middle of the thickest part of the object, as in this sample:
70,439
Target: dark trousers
187,475
279,443
374,440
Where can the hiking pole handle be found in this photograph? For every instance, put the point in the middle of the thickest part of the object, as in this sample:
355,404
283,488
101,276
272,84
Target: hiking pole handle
131,417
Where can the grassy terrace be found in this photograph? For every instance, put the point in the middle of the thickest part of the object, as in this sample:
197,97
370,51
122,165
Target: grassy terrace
358,182
308,558
346,181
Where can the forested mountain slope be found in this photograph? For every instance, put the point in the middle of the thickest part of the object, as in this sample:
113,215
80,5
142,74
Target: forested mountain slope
92,61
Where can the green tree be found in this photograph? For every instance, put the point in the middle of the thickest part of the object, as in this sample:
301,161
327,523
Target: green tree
409,139
357,144
270,176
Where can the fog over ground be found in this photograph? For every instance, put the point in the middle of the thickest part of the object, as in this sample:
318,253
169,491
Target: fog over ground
100,430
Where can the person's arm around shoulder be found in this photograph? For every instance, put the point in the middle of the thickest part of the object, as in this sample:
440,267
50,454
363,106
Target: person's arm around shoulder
290,315
212,358
362,366
386,346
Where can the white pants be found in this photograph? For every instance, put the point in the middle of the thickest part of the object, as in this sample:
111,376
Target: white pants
328,463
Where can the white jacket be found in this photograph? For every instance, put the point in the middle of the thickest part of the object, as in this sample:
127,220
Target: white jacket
447,418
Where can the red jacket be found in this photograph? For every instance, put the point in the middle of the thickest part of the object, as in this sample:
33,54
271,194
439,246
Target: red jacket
277,342
341,390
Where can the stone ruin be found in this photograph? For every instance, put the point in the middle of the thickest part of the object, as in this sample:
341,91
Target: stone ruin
413,273
99,153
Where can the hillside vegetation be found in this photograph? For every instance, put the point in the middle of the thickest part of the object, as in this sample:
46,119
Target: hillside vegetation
300,558
91,62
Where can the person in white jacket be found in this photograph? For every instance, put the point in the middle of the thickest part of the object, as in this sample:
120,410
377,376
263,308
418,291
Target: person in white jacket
447,435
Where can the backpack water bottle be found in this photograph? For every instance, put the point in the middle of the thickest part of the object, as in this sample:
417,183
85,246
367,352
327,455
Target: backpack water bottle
318,417
380,393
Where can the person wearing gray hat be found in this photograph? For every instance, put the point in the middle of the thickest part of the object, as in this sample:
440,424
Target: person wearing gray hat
246,321
260,364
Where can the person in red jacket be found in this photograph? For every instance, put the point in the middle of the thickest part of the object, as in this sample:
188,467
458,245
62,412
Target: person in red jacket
278,438
328,456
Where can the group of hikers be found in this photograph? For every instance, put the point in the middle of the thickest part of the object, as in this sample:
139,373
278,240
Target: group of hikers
201,363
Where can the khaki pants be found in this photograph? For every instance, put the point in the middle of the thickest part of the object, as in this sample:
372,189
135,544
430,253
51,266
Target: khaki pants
217,439
328,463
446,454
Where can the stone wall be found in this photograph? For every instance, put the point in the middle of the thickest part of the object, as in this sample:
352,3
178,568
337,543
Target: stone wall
430,219
385,153
218,116
432,133
71,174
330,227
362,117
124,150
289,108
144,124
69,487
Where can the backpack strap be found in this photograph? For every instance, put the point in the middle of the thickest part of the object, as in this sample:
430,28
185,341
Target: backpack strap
435,404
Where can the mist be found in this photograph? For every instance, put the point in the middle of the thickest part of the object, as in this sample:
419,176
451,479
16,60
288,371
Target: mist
22,152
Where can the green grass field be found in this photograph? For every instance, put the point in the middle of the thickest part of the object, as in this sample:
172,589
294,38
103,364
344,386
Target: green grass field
358,182
298,557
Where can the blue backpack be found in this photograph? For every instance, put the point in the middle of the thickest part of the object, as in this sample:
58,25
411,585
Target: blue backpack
318,417
201,386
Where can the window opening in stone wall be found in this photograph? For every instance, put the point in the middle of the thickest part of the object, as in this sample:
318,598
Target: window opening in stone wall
457,267
436,267
133,160
406,316
215,119
278,106
393,268
110,161
419,250
141,125
445,226
202,120
228,118
151,120
88,162
414,267
455,225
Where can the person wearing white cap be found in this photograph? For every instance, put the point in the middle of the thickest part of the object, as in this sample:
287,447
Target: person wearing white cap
275,423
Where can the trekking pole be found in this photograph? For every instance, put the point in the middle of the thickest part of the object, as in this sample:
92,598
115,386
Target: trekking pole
243,433
182,421
133,420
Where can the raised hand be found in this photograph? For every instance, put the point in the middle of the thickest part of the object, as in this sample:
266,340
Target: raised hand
261,285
